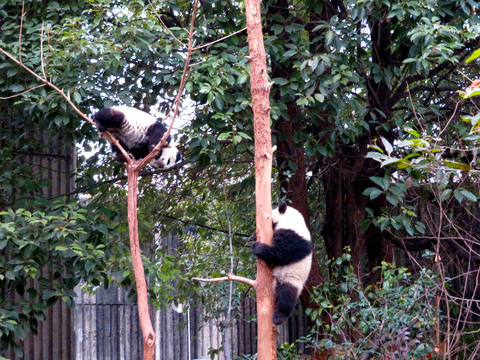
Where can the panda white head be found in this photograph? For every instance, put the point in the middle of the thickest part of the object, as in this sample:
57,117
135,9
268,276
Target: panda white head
167,157
287,218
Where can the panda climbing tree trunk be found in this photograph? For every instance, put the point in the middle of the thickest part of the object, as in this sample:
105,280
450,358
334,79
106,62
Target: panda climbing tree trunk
260,89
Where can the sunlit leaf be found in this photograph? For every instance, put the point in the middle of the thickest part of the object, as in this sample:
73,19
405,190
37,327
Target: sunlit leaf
457,165
475,55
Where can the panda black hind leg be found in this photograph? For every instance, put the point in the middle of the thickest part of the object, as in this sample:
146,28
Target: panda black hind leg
286,298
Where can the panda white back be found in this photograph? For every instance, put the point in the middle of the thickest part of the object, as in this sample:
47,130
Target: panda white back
295,273
135,128
290,219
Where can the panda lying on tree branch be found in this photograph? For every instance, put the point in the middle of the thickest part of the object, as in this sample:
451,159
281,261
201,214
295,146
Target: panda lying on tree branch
291,258
138,133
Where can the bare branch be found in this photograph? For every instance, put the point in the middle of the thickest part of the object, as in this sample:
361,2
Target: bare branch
413,107
176,104
41,53
221,39
20,33
48,83
22,93
230,277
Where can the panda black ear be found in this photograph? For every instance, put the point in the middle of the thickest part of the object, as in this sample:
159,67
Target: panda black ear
282,207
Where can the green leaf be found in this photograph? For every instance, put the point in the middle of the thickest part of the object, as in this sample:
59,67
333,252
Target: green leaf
376,156
280,81
374,193
387,145
472,94
458,195
457,165
446,194
77,97
468,195
319,97
475,55
390,161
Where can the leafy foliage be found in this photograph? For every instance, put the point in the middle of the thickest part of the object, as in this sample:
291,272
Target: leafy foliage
57,247
394,319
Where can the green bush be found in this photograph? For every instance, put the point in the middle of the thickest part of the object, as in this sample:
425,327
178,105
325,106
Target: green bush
396,317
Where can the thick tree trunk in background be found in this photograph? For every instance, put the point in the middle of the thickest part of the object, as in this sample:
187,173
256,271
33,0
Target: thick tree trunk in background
349,173
345,208
260,88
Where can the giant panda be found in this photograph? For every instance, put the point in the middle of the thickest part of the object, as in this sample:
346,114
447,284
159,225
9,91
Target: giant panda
291,257
138,133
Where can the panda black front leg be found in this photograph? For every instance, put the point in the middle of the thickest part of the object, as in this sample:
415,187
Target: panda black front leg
117,154
269,254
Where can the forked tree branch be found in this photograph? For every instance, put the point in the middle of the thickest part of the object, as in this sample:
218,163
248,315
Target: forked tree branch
133,170
166,27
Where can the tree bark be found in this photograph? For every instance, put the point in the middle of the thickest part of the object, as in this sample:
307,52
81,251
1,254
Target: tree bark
260,89
143,311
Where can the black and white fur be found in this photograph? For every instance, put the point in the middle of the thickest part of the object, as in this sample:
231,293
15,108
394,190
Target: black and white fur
138,133
291,258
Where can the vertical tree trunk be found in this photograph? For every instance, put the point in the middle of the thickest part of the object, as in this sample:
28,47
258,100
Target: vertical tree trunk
143,312
260,88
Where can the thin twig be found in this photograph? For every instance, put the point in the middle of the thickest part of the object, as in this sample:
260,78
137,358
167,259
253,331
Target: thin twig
176,104
22,93
198,63
166,27
21,30
41,53
229,277
221,39
449,120
413,108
